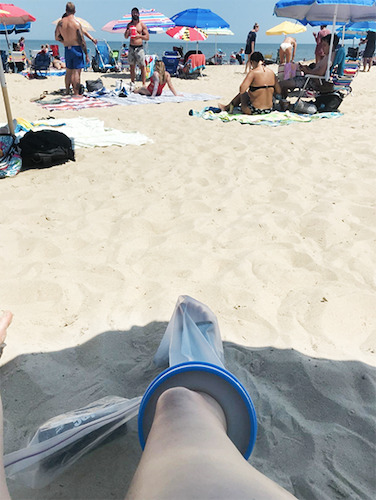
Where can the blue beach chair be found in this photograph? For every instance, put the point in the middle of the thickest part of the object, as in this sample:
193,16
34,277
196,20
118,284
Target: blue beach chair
103,61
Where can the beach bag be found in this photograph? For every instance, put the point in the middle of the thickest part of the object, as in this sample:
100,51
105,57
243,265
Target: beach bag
10,160
93,85
287,71
45,148
328,102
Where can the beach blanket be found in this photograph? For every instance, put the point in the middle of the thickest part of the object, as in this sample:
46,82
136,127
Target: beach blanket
273,119
84,132
74,103
112,96
50,72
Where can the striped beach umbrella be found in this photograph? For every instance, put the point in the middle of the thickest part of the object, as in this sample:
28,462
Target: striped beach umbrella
150,17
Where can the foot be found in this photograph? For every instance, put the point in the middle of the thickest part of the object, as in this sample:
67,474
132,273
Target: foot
5,321
223,107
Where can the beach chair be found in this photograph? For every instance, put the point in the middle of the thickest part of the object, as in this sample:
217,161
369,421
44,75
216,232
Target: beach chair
40,65
4,60
55,50
171,60
103,60
193,66
17,61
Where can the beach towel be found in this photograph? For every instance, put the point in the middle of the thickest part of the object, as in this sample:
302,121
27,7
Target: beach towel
273,119
85,132
74,103
197,61
112,96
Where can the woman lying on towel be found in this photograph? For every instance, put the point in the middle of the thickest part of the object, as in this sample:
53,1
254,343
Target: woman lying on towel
158,81
257,90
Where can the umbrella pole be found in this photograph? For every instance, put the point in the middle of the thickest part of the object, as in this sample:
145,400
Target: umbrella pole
215,57
343,35
6,98
327,73
6,35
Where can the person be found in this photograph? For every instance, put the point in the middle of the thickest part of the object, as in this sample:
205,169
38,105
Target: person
158,80
257,89
319,51
318,70
287,50
57,63
21,43
250,46
240,56
70,32
369,50
187,453
138,32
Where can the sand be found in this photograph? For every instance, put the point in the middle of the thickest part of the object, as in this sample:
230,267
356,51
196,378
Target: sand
272,228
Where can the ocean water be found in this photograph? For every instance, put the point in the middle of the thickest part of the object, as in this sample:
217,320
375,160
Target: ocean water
304,51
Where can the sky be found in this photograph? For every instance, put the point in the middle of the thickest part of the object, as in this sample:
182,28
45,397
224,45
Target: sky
240,14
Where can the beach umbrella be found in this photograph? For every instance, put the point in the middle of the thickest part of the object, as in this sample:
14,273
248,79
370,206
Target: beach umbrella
10,14
287,28
85,24
199,18
187,34
316,12
150,17
218,31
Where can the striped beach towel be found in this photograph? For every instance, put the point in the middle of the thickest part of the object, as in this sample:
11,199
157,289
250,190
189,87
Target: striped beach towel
74,103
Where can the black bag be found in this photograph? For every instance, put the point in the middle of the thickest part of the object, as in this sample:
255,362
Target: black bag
328,102
45,148
93,85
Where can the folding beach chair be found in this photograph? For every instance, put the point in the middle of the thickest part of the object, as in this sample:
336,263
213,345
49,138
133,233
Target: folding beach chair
193,66
41,65
17,60
103,61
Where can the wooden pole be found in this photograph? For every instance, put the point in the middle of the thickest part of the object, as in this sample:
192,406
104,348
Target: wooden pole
6,98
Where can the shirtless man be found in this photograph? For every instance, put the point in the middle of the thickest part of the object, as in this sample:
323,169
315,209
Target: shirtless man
136,55
287,50
70,32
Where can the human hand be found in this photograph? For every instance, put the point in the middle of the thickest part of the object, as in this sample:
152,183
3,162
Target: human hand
87,58
95,41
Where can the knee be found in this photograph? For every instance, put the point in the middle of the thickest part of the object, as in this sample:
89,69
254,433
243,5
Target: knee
175,398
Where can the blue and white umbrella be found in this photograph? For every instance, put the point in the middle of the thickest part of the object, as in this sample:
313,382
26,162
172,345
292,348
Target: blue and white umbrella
199,18
316,12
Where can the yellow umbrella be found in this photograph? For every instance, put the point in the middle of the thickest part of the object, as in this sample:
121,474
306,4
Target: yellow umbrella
287,28
87,26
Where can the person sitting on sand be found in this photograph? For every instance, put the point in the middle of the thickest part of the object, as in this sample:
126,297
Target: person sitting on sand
187,440
158,80
287,50
319,70
57,63
257,89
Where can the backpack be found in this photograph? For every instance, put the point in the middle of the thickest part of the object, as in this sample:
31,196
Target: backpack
328,102
45,148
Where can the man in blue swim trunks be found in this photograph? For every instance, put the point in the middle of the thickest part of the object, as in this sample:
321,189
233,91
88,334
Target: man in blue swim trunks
70,32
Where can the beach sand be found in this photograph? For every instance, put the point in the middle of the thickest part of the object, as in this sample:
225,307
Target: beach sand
272,228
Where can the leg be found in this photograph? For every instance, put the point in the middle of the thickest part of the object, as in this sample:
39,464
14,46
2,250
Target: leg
143,75
244,99
132,68
142,91
231,105
76,79
68,80
248,65
287,85
288,54
188,455
282,56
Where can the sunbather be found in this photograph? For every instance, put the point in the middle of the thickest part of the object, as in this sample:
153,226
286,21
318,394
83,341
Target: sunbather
257,89
158,80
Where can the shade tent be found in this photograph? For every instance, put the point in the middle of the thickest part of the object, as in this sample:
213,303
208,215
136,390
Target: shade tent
315,12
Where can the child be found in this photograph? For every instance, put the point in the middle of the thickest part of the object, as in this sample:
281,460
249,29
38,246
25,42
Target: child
158,80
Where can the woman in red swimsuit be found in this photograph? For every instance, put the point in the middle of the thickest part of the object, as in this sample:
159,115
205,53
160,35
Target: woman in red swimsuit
158,80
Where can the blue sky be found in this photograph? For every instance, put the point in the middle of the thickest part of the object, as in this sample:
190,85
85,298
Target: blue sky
240,14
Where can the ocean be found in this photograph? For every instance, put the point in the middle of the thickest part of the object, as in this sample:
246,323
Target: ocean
304,51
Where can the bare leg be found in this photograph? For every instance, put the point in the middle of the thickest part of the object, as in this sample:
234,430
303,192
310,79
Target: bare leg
143,75
142,91
132,67
231,105
288,54
248,65
68,80
244,99
282,55
5,321
188,455
76,79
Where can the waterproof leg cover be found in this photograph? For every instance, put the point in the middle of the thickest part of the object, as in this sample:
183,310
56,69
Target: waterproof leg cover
220,384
